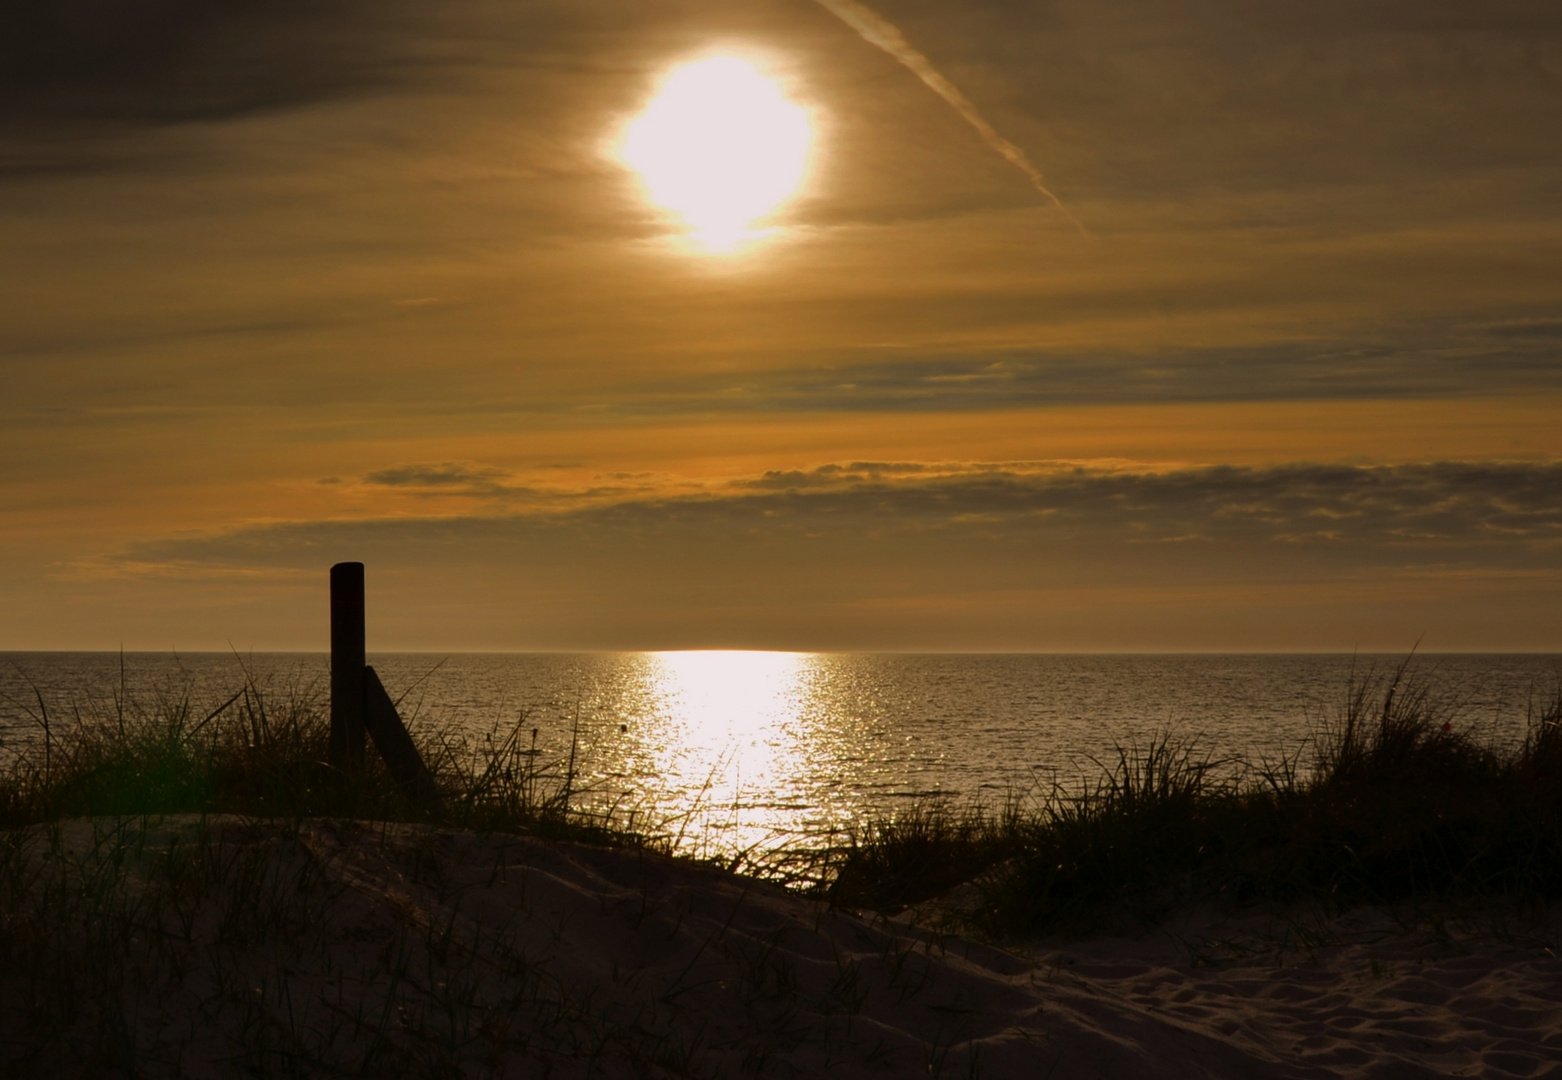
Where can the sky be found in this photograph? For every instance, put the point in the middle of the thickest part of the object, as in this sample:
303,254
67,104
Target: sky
1119,325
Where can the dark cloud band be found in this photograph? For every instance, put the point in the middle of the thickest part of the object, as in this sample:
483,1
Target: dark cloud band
1497,516
1520,358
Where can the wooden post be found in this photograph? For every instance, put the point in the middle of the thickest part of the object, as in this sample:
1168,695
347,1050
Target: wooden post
347,664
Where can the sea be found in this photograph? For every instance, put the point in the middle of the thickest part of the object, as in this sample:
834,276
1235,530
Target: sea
732,753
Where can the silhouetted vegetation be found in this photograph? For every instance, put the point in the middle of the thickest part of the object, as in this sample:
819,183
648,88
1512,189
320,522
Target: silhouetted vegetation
1396,803
1393,800
174,873
264,754
228,911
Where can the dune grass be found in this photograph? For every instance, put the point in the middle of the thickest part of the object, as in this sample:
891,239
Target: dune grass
162,901
194,893
263,754
178,892
1394,802
152,850
1394,799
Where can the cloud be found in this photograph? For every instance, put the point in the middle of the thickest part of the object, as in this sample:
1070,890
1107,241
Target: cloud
1426,361
1147,97
447,478
883,34
923,555
160,61
82,82
1498,515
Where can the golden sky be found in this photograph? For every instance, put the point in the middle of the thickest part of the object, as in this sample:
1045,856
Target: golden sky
1274,361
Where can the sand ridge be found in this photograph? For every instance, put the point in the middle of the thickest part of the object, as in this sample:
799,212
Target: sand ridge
1362,994
323,948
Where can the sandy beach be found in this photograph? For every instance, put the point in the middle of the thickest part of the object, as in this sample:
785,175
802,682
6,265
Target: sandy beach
229,947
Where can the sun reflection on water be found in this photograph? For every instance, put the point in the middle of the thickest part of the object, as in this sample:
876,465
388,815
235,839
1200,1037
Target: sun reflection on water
730,751
736,753
731,738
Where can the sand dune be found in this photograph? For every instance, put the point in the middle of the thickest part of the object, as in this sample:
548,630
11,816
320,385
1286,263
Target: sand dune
403,950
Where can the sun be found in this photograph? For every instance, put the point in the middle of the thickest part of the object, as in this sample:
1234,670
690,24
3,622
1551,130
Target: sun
722,147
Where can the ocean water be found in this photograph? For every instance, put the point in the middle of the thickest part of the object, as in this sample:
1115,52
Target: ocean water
746,750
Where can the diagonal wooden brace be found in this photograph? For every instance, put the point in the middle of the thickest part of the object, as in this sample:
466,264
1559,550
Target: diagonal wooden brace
394,744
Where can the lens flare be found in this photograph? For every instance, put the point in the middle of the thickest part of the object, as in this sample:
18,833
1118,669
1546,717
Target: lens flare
722,147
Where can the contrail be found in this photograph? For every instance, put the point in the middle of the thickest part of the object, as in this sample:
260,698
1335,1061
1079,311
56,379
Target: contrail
878,31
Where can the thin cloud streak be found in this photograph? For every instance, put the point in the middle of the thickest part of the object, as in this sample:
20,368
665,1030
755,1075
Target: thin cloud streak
883,34
923,555
1428,514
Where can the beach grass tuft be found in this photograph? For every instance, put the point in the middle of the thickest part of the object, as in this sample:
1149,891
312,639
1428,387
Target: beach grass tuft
263,753
1394,800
